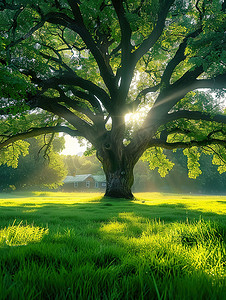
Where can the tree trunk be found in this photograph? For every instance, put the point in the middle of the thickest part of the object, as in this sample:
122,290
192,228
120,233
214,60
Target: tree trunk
118,167
119,184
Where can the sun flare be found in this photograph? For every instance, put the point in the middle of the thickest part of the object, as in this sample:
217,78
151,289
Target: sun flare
134,117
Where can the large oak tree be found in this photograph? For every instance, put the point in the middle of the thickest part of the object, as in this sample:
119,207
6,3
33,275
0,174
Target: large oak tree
83,65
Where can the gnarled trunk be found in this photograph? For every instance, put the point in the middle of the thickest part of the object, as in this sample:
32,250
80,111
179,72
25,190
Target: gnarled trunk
118,167
119,183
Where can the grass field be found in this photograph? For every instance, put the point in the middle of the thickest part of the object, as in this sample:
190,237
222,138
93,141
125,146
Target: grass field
84,246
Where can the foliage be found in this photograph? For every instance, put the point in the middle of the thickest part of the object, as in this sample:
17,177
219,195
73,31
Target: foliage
219,159
11,154
193,165
157,159
16,124
42,167
14,86
178,179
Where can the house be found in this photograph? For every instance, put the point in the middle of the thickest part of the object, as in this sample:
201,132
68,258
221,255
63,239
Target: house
84,182
100,181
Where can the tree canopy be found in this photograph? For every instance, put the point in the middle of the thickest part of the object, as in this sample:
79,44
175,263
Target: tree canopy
80,66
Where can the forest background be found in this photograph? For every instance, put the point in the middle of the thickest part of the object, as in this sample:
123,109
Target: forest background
45,169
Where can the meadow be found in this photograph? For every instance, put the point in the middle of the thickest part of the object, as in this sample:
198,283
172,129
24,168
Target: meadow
85,246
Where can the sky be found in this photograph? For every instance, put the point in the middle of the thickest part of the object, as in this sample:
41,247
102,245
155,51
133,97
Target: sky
72,146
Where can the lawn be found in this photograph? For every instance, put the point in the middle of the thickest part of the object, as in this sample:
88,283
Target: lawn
84,246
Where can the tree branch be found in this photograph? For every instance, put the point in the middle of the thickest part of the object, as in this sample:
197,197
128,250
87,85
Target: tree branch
78,105
195,115
58,61
76,11
71,79
218,82
183,145
164,133
156,32
78,26
175,92
90,98
210,149
144,92
133,105
158,115
115,50
129,60
178,57
168,97
126,31
27,35
36,132
52,105
4,5
186,84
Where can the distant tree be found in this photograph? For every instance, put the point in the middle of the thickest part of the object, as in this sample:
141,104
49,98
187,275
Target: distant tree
77,165
87,64
42,167
180,179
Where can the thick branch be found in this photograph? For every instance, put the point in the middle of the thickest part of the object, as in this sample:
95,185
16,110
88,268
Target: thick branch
90,98
168,97
129,59
78,105
125,29
178,57
195,115
71,79
52,105
78,26
36,132
175,92
183,145
218,82
76,11
159,115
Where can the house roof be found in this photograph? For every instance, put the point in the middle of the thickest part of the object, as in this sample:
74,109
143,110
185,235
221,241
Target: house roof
80,178
77,178
99,178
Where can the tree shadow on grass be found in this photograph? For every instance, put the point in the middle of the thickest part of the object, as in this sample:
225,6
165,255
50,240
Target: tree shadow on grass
222,202
103,210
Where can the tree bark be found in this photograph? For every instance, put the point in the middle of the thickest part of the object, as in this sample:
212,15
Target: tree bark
118,168
119,183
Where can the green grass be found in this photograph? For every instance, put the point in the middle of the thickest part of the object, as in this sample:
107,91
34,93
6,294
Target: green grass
84,246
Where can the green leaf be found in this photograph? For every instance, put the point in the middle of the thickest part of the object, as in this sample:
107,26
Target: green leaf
157,159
